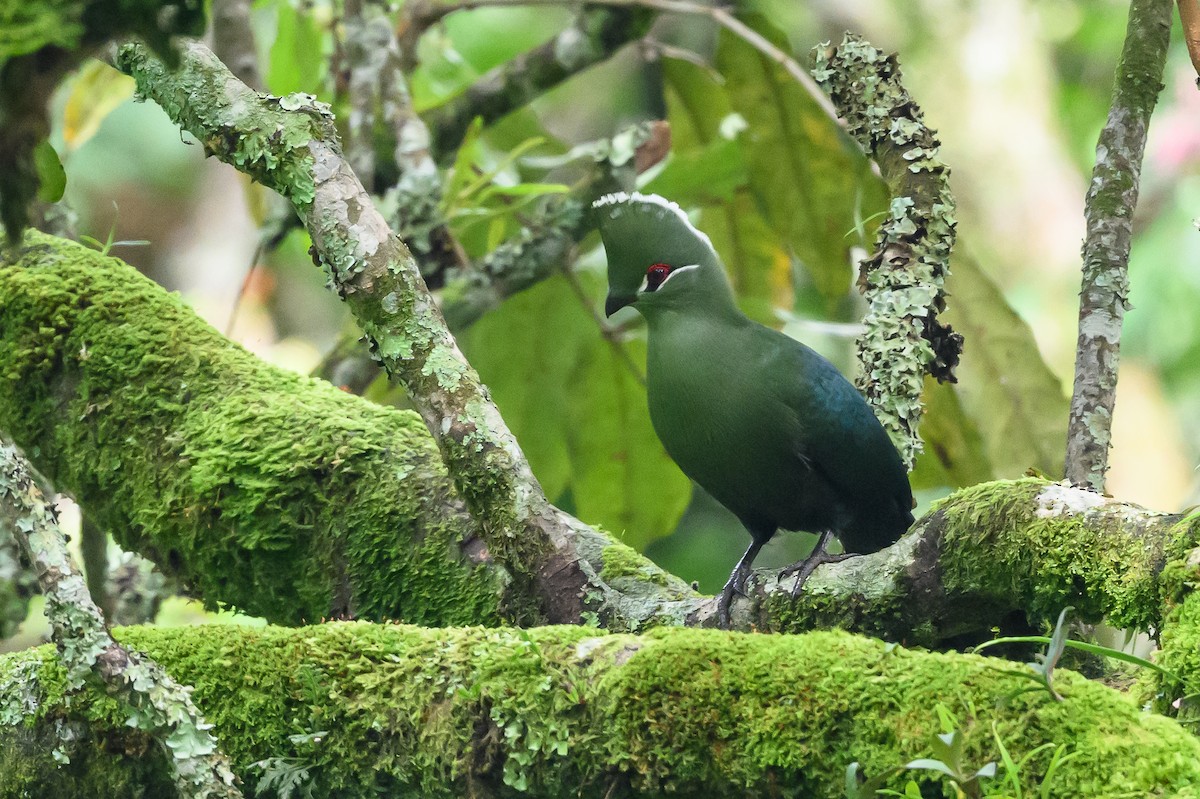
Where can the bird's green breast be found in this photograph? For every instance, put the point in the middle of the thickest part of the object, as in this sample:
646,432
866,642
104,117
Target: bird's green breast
713,405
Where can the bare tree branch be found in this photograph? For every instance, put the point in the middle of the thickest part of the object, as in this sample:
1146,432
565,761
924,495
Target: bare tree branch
1111,199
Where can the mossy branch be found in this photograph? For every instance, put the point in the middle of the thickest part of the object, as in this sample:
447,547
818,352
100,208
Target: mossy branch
150,700
272,492
904,278
1112,196
353,710
289,145
293,500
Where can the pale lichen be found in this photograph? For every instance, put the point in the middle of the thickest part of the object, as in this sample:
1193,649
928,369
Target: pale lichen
904,278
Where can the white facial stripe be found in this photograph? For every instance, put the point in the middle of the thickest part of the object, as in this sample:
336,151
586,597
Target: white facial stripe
620,198
675,272
646,280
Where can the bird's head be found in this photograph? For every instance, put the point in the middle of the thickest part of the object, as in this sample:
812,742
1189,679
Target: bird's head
656,258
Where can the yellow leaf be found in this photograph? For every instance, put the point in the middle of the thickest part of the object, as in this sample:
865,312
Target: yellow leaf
96,91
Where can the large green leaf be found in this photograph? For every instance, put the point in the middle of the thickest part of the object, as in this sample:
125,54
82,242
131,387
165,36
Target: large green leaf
526,352
578,411
621,477
954,455
1015,400
810,179
707,168
759,268
296,62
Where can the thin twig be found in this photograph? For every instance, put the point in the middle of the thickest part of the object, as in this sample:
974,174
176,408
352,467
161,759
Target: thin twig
606,331
1112,196
245,286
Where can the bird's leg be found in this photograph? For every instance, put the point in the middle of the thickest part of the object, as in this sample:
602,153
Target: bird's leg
803,569
737,581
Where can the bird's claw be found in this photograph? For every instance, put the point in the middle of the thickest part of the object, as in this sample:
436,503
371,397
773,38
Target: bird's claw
804,569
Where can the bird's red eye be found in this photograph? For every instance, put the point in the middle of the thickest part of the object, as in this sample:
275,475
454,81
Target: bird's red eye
655,276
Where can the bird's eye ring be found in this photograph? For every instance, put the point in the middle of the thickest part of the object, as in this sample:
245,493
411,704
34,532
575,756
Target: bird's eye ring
656,275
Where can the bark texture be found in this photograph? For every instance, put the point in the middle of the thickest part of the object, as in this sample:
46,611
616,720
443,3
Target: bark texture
1111,199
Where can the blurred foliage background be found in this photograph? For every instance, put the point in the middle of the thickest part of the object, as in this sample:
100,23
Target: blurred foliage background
1017,90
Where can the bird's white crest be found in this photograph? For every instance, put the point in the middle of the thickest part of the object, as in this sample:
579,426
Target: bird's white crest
621,197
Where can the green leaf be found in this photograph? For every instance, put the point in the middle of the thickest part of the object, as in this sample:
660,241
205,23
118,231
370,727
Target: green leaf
462,173
707,168
577,411
621,477
929,764
759,268
526,352
296,62
954,452
1083,646
707,175
52,179
812,182
95,91
1016,402
707,163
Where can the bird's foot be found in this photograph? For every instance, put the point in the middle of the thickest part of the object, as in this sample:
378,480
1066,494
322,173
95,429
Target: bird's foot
803,569
734,586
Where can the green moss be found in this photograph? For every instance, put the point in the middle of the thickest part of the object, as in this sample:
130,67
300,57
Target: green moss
621,560
997,545
396,710
806,706
1179,639
266,490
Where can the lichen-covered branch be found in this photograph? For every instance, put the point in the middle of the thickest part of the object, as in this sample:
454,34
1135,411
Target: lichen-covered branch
355,710
289,145
1111,198
152,702
593,36
903,279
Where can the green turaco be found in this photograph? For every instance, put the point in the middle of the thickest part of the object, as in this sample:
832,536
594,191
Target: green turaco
764,424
